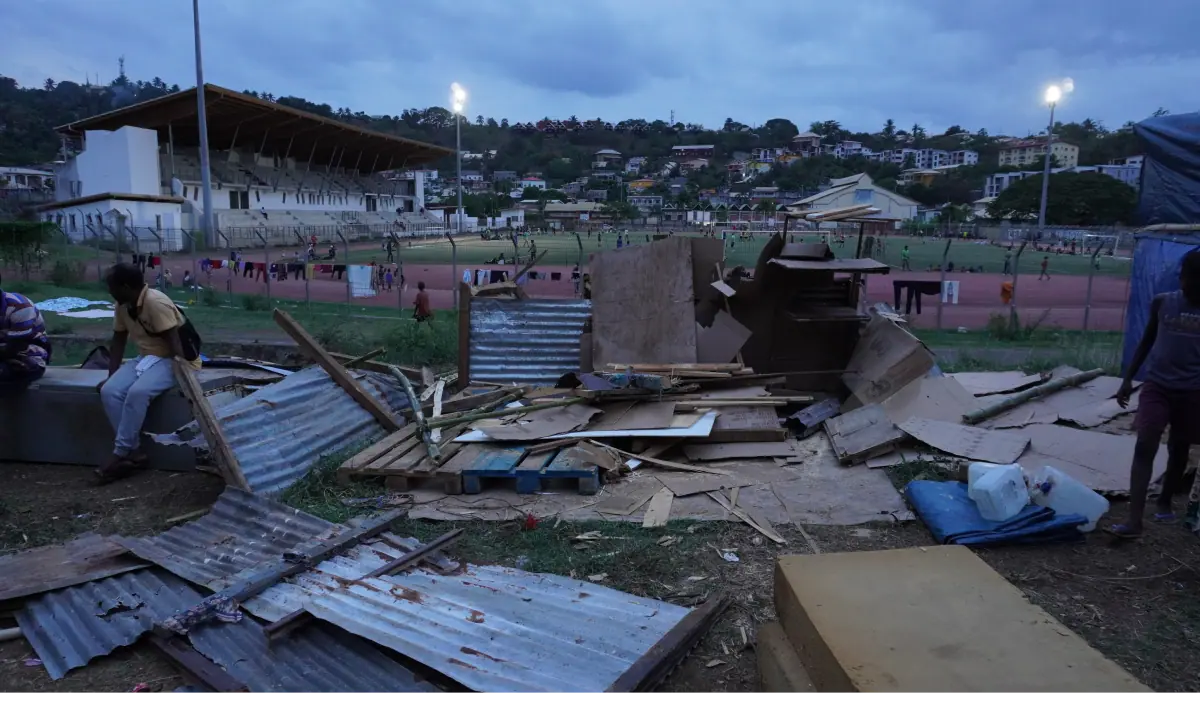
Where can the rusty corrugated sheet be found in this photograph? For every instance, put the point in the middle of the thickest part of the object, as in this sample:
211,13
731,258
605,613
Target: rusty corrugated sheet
282,430
69,628
241,532
85,558
503,629
291,595
526,342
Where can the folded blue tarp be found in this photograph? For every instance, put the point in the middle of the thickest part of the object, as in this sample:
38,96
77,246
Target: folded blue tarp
953,518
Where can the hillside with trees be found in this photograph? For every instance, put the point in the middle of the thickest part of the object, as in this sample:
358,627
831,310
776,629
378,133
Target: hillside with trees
562,150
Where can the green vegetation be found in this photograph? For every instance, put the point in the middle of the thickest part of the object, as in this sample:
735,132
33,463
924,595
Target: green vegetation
1074,199
1042,350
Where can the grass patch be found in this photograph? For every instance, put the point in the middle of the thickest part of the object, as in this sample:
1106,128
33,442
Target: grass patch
632,558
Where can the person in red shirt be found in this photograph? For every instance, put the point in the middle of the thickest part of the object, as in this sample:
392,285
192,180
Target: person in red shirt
421,310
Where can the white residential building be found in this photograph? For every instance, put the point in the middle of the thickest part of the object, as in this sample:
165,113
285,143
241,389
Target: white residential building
964,157
634,165
533,182
646,203
16,177
855,190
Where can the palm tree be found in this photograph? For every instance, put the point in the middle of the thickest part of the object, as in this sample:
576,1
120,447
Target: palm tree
918,133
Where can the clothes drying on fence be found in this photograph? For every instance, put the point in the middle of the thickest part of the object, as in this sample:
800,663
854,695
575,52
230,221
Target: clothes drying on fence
914,290
339,270
467,276
481,277
360,279
950,292
497,276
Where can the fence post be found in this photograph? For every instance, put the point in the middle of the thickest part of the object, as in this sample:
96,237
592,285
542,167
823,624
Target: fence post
1087,305
346,250
1013,322
266,264
454,267
942,284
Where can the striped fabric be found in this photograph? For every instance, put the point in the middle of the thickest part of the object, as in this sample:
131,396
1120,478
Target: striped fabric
22,330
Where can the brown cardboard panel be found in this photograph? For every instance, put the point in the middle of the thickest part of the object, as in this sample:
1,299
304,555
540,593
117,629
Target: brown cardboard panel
721,342
973,443
929,619
887,358
635,415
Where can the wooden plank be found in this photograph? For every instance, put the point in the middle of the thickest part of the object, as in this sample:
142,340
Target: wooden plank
411,460
862,434
226,461
664,463
388,460
375,451
757,522
464,334
340,375
736,450
438,390
667,653
659,511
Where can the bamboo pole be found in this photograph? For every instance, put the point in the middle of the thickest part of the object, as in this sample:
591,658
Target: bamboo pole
1033,393
476,416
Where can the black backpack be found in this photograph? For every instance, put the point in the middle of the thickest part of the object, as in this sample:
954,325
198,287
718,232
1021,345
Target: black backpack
189,338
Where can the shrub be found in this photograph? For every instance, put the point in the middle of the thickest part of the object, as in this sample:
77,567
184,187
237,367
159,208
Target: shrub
67,273
208,297
255,303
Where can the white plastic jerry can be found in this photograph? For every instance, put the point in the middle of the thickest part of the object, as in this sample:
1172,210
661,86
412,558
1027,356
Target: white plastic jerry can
1065,495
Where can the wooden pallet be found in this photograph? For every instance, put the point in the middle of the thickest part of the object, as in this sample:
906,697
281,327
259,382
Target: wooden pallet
402,461
530,472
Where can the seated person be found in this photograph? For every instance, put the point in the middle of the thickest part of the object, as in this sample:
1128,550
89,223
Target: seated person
161,333
24,347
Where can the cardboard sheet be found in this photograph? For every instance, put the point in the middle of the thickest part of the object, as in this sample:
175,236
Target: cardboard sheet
862,434
635,415
722,341
1096,459
932,398
973,443
993,383
1047,410
541,424
736,450
886,358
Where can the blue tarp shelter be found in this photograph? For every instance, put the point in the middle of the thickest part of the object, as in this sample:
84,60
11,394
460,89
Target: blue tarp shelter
1169,206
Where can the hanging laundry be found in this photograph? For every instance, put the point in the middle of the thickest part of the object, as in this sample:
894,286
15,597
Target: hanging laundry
481,277
467,276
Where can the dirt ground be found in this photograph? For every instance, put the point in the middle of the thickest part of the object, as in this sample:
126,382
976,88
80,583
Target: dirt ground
1138,602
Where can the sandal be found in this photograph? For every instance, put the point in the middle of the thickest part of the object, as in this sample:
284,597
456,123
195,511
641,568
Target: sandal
1123,532
115,471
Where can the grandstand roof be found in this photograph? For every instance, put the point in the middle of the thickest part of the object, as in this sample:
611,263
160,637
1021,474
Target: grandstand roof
280,130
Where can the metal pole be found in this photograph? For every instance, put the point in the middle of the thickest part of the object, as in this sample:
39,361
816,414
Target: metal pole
1046,176
454,268
1087,305
458,161
210,227
942,286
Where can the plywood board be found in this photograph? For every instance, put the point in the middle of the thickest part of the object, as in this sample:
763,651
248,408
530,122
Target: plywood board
659,511
779,667
929,619
722,341
973,443
643,304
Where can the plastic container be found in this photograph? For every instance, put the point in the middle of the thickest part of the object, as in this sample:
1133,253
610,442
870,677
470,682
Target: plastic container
1065,495
1000,492
975,471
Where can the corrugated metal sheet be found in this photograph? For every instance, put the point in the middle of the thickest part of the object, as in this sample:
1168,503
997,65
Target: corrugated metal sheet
281,431
241,532
291,595
69,628
502,629
528,342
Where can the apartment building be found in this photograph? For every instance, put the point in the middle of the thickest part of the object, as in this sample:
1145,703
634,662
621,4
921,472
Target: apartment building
694,151
646,203
1023,153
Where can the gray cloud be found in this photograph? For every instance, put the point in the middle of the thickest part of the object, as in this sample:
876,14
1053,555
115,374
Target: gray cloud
933,62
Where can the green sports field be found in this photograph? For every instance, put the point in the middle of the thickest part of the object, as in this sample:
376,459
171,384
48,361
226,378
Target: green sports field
925,253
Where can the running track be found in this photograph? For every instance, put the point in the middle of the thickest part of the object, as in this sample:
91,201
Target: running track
1061,298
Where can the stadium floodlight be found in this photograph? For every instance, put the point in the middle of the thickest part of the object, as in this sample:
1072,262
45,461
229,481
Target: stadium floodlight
458,97
1053,94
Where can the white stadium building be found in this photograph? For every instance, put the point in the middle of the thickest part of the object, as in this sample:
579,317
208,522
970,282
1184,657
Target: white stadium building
279,176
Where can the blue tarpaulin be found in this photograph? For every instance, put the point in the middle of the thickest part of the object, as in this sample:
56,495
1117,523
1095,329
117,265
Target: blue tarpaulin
1171,169
1155,270
954,519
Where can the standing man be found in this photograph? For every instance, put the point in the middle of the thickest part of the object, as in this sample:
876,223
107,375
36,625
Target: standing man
1169,398
1008,261
161,334
904,259
1045,265
24,346
421,309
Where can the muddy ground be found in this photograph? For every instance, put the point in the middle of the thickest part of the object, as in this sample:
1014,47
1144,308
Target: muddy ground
1136,602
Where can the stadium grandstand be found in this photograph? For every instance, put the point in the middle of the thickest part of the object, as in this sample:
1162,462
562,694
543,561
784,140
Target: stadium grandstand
279,176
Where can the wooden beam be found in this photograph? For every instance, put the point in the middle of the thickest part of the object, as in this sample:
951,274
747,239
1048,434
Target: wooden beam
226,461
340,375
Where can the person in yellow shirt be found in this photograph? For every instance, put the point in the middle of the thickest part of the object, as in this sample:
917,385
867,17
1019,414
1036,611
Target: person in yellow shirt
161,334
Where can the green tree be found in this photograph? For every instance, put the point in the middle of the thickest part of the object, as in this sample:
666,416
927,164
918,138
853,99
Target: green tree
1074,199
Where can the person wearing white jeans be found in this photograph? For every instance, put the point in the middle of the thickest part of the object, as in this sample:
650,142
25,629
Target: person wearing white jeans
127,396
150,320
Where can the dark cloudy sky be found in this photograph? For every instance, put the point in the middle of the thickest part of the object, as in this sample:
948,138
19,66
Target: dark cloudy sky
978,63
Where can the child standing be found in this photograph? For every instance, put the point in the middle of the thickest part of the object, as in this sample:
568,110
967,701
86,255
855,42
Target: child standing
1170,395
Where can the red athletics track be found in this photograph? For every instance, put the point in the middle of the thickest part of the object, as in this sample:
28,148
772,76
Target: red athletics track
979,294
